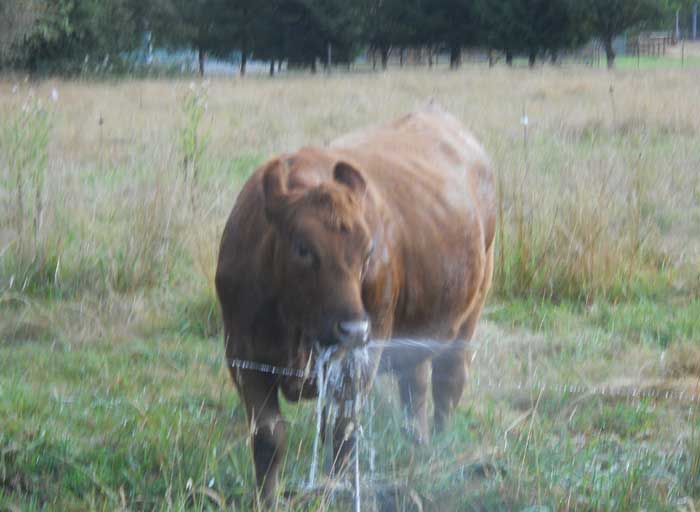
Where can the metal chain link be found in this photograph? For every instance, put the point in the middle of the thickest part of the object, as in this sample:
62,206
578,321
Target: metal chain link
268,368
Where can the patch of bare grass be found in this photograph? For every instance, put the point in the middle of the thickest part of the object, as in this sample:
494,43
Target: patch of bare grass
683,360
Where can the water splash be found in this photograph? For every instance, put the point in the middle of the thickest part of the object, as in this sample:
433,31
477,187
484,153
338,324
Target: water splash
372,451
322,384
340,378
358,497
408,343
418,346
357,364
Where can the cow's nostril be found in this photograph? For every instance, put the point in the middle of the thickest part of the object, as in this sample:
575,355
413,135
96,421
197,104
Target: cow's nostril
353,330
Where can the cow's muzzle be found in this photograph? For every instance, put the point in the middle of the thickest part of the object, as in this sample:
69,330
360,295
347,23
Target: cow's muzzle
352,334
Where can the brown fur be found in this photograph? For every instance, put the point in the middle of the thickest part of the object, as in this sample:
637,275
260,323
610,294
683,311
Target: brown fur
419,194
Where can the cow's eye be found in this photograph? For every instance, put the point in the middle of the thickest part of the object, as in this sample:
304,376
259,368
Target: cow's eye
303,253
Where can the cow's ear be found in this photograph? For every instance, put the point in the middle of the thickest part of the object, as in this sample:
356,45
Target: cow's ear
350,177
274,184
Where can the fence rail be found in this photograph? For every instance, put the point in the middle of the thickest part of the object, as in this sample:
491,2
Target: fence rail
653,44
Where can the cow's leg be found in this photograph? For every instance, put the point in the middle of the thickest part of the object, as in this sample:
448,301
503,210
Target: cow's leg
413,389
449,376
267,429
450,367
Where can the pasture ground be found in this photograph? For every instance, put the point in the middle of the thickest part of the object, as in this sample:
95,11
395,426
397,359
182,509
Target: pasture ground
113,394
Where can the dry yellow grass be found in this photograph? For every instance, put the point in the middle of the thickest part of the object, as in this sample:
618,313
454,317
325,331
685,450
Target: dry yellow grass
262,115
688,49
601,196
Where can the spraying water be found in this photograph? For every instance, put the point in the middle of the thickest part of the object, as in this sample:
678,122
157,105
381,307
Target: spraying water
425,345
358,497
339,378
357,377
372,452
321,382
339,381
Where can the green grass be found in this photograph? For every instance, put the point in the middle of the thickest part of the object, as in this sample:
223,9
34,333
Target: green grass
656,323
631,62
67,445
159,412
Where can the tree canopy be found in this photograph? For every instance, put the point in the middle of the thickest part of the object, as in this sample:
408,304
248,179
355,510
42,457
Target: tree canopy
608,18
67,35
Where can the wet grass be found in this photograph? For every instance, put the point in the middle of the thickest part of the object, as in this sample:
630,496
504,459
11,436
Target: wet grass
155,424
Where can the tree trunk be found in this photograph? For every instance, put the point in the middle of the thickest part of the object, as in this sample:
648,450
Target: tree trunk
244,61
374,60
385,57
313,65
200,58
272,67
430,57
279,66
509,58
609,52
401,57
455,56
532,59
491,59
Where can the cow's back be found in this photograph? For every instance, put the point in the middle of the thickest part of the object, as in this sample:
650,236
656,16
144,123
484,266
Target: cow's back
438,190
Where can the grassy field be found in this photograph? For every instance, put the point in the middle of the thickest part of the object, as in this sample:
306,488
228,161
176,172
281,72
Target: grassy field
585,383
665,63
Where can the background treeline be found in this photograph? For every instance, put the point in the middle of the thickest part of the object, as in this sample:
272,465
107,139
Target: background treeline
64,35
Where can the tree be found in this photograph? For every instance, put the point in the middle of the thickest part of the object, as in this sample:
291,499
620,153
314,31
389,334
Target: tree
197,24
338,22
301,31
17,20
247,24
388,23
58,35
453,24
532,27
676,12
607,19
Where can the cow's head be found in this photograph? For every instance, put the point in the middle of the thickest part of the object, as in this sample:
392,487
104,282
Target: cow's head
321,254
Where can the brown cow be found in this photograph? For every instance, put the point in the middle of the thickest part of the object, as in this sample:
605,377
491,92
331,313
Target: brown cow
388,230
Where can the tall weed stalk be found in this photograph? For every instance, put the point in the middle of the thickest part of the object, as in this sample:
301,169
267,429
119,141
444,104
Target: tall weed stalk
29,253
193,138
